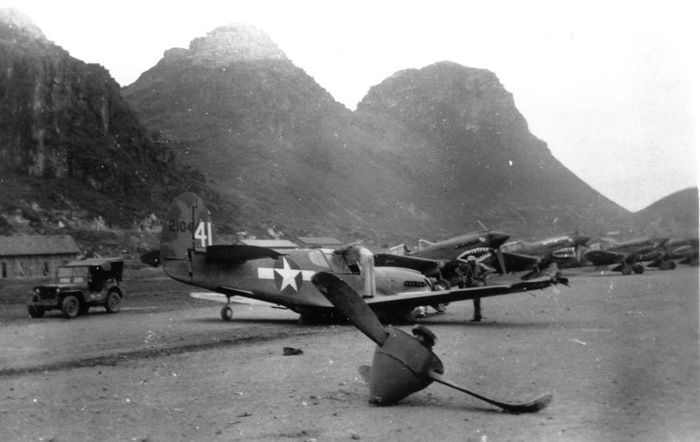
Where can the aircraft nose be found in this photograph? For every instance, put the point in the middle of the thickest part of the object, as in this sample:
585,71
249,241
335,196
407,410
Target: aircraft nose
497,238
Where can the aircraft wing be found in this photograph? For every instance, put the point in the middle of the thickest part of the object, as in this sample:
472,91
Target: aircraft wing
424,265
234,253
518,262
415,299
238,253
209,296
604,257
220,297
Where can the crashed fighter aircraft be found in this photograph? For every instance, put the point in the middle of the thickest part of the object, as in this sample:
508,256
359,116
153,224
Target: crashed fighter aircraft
189,254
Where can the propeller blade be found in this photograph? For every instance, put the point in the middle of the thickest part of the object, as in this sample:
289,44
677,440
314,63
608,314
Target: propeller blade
532,406
501,260
579,253
350,304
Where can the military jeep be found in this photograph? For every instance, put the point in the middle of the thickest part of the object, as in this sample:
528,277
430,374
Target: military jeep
81,284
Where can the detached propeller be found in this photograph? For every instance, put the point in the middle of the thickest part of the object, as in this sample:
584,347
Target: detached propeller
402,364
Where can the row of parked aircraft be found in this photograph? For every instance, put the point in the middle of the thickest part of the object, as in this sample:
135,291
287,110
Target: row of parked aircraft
564,251
392,282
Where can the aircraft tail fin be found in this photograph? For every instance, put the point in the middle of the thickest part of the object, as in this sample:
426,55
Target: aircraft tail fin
187,227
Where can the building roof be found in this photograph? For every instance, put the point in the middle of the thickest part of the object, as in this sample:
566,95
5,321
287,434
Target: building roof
94,261
38,245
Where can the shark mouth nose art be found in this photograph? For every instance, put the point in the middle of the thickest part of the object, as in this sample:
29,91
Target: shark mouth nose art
480,253
566,252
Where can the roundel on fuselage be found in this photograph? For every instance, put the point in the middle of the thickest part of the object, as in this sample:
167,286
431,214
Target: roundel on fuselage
288,275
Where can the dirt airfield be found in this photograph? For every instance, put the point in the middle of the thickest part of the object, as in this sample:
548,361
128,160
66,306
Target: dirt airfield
620,354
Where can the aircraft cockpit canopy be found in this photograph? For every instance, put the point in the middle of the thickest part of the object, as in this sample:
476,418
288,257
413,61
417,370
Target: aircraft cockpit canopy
345,260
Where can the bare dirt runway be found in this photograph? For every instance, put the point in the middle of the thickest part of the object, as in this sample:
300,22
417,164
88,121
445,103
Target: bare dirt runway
619,353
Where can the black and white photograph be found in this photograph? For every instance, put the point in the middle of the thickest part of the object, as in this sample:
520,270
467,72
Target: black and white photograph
336,221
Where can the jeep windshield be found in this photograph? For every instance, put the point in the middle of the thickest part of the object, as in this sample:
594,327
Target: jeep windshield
68,275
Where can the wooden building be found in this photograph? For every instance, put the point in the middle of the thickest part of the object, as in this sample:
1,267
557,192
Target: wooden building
35,256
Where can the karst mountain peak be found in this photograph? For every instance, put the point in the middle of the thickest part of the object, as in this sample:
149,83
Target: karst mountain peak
235,42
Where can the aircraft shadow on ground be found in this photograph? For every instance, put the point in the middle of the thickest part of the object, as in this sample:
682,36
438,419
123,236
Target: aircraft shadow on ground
425,321
214,319
57,316
456,406
486,323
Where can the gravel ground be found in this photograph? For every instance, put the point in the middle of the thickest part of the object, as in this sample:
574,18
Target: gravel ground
620,355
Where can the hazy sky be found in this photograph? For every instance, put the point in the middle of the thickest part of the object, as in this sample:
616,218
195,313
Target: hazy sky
609,85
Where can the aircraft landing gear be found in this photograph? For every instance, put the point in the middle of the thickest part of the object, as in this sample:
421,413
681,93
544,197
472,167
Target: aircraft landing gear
227,311
626,270
638,269
667,265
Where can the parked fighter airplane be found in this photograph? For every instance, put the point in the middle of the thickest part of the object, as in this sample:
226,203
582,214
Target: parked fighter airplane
628,256
440,259
489,248
188,254
481,244
564,251
683,250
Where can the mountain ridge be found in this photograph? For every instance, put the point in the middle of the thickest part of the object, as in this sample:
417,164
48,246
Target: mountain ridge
428,152
356,158
70,146
676,214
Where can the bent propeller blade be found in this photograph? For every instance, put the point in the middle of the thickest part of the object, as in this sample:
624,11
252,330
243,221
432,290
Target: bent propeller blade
350,304
532,406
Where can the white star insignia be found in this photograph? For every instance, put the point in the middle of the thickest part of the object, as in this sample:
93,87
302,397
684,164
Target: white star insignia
288,275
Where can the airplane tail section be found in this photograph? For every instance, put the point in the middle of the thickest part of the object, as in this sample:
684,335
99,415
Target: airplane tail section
187,228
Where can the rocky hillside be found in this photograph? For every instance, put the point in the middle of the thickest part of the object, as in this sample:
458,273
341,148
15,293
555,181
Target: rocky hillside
267,136
458,129
73,153
427,154
673,215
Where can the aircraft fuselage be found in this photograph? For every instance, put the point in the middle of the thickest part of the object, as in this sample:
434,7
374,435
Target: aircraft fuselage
286,280
481,245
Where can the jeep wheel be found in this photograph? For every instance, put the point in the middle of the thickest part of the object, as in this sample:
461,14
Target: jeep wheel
35,312
70,306
113,302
